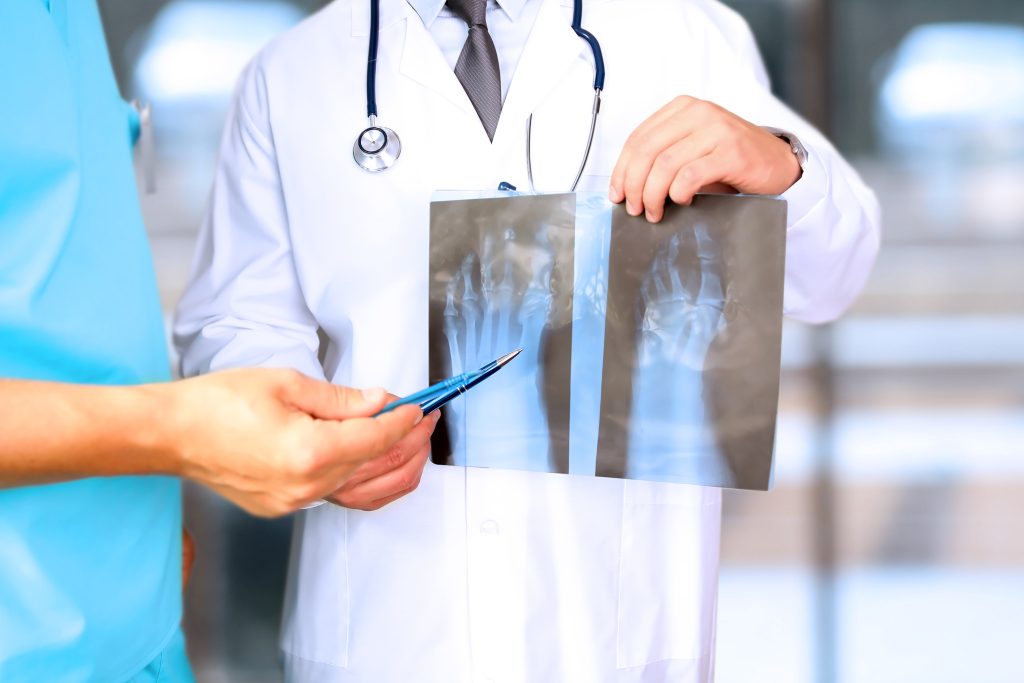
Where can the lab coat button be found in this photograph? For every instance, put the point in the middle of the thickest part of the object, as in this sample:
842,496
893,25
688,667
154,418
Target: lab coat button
491,528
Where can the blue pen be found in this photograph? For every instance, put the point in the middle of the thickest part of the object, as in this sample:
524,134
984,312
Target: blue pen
435,396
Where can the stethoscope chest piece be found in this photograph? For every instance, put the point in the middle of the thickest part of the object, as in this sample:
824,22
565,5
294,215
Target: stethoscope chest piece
376,149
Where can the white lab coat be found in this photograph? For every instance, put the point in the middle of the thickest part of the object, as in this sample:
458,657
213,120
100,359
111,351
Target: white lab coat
478,575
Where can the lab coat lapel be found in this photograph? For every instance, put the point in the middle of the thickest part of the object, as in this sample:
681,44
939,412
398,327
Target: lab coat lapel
424,63
551,50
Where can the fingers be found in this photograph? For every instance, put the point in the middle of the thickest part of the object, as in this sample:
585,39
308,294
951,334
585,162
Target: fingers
354,441
662,129
660,158
690,179
336,450
389,486
396,456
326,401
378,504
392,474
653,184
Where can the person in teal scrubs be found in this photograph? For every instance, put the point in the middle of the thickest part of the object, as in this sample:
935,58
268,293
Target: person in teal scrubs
93,436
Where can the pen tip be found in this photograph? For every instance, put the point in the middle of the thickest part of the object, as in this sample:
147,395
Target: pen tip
509,356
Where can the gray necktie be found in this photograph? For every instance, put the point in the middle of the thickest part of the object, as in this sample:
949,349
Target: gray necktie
477,68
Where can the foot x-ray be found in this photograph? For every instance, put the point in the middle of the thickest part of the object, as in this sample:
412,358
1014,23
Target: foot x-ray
649,351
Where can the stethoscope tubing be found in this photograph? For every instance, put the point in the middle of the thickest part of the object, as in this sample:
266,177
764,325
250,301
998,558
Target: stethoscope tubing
387,155
371,60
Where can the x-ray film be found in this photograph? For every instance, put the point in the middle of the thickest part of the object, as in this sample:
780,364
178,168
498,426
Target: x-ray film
650,351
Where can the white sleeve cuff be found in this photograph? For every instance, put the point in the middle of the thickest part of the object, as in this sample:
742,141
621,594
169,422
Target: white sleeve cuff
806,193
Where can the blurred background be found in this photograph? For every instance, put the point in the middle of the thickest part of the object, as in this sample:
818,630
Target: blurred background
892,547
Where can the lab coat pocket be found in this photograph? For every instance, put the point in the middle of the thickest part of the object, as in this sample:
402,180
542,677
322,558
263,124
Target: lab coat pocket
316,609
668,572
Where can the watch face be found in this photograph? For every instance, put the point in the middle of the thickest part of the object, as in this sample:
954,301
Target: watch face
799,150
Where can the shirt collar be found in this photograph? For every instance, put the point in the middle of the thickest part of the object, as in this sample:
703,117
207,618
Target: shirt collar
429,9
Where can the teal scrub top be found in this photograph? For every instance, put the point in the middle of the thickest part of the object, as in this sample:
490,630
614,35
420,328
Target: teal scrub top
90,571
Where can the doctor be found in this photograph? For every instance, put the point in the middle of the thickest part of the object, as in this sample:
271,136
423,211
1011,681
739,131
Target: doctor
483,575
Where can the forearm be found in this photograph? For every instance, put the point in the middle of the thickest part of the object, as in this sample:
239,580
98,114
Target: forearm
52,432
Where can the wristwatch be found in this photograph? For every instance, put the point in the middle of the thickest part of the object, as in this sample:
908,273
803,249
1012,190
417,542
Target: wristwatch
797,147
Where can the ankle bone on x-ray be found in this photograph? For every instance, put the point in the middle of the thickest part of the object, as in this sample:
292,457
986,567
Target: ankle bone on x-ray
500,300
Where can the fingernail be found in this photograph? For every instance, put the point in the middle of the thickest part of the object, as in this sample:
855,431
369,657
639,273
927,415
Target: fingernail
632,209
419,418
613,194
650,217
374,395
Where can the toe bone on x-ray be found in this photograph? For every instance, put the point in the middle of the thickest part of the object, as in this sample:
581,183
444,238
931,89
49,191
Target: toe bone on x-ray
650,351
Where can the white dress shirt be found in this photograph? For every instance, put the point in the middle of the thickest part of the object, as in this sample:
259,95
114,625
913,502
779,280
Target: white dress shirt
479,575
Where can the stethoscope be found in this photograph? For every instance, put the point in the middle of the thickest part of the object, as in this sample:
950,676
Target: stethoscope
377,148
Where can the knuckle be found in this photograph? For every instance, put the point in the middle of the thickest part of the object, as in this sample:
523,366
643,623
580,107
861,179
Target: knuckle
668,160
722,134
712,108
304,462
345,499
644,142
287,378
407,481
381,442
424,444
307,493
634,184
685,185
686,177
284,383
394,457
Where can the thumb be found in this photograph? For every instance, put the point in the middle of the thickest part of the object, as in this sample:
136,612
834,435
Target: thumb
326,401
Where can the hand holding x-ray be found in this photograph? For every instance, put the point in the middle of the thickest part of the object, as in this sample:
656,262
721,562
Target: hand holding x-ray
498,301
651,351
682,312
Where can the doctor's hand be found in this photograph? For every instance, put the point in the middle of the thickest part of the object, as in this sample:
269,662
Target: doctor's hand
272,441
691,145
391,475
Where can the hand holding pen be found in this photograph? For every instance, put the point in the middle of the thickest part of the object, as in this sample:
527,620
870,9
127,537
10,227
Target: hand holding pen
396,473
391,475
